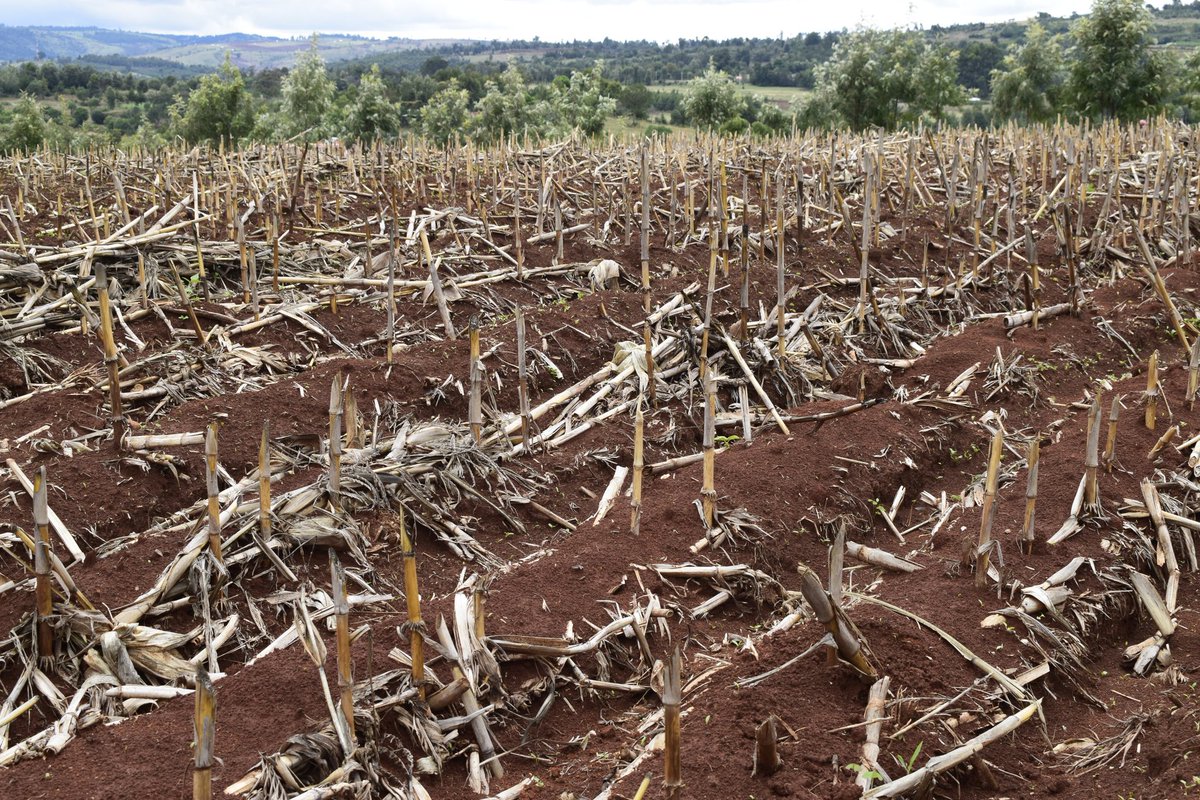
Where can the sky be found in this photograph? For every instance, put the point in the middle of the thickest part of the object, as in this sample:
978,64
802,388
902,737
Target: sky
552,20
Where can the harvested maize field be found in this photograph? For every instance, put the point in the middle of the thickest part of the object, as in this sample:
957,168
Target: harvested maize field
818,467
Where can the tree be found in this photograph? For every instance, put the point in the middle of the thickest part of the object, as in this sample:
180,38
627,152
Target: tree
817,112
884,77
372,115
413,91
1114,72
505,108
219,109
976,60
869,75
1028,87
711,98
583,104
635,100
772,118
27,130
1189,89
445,114
307,93
433,65
936,82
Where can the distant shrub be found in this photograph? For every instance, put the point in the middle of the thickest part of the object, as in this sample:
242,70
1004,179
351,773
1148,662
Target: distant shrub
735,125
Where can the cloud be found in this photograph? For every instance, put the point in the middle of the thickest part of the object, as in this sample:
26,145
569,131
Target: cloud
663,20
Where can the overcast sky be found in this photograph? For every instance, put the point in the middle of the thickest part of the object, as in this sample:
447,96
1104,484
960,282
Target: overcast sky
661,20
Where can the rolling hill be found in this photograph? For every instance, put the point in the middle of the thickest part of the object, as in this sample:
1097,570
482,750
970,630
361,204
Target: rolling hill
28,43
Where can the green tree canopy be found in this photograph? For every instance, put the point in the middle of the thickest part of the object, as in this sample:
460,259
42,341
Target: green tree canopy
372,115
308,94
446,113
885,77
27,130
1029,84
1114,71
1189,89
712,98
583,105
219,109
505,108
936,82
635,100
771,117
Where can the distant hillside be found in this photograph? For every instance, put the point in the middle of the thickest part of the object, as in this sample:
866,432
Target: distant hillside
28,43
1175,24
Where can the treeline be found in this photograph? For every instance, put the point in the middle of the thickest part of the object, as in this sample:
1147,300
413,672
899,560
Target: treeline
1106,65
779,61
77,97
1103,65
72,105
763,62
790,62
